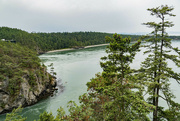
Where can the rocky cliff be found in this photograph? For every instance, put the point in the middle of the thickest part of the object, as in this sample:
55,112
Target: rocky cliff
28,94
24,80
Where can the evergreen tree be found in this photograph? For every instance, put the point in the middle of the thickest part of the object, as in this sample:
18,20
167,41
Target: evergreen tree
155,68
14,115
116,94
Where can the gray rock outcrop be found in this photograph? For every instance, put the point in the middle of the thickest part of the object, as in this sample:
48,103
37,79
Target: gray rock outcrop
28,94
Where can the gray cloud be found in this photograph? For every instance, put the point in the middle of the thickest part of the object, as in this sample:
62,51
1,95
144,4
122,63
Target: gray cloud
82,15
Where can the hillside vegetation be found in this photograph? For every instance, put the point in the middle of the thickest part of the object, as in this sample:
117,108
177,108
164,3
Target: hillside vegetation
42,42
23,80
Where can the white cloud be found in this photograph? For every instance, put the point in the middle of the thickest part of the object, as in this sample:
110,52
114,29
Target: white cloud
82,15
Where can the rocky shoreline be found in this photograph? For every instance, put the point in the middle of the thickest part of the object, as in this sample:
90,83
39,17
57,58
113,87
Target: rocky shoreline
27,95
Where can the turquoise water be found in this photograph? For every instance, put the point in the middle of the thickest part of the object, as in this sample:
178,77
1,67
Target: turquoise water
74,69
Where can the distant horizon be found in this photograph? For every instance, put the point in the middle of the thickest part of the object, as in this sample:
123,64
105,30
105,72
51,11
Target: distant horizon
124,33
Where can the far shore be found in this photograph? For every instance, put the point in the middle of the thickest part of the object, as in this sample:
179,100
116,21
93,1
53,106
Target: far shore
60,50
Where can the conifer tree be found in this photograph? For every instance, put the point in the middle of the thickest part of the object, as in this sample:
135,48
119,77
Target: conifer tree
155,68
112,94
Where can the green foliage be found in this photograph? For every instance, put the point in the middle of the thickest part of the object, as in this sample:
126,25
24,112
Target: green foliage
21,37
17,62
77,113
52,69
14,115
169,115
32,79
47,117
120,54
155,70
116,94
42,42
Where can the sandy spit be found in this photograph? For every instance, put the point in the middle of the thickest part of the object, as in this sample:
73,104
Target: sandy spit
60,50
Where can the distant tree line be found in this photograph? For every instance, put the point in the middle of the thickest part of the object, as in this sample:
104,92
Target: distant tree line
42,42
174,37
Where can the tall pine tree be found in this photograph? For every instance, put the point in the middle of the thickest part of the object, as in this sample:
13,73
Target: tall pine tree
155,68
116,94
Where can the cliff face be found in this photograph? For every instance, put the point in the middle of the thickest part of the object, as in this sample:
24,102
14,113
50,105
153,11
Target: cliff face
23,78
27,95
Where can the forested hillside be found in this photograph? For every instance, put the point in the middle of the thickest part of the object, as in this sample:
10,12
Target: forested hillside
42,42
23,80
52,41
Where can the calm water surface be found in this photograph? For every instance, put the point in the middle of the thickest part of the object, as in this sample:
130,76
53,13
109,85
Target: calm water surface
74,69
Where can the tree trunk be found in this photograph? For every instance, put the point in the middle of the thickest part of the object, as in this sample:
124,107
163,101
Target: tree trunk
156,89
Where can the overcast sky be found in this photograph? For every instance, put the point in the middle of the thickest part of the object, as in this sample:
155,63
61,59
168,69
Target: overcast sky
112,16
